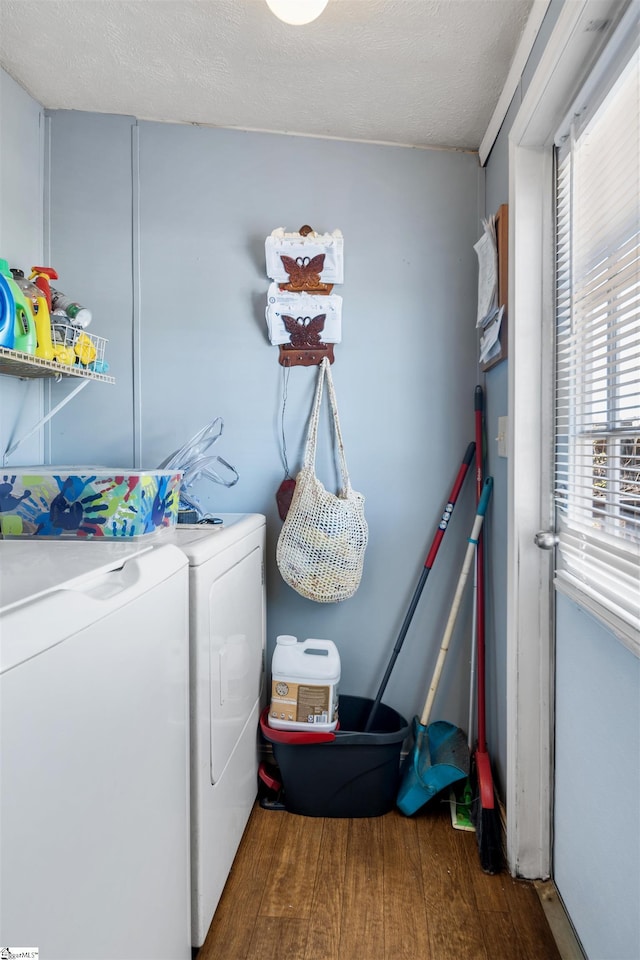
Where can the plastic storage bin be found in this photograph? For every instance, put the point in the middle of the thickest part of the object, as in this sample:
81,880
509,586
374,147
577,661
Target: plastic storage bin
352,774
87,502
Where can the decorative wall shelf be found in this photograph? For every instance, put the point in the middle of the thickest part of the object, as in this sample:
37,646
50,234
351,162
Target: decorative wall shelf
286,256
305,355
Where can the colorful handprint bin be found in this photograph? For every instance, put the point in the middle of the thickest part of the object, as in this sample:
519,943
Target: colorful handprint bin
87,503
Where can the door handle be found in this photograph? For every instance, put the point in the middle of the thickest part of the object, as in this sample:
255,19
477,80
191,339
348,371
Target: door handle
546,539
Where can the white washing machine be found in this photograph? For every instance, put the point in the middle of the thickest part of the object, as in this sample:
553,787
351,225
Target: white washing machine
227,649
94,750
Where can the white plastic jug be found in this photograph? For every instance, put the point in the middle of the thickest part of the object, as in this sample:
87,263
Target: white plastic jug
304,685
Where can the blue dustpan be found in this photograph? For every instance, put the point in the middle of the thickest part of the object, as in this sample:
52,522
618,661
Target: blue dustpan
440,757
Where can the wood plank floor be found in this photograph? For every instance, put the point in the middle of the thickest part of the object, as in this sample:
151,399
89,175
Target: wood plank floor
380,888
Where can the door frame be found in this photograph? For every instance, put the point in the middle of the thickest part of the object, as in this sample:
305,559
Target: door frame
581,30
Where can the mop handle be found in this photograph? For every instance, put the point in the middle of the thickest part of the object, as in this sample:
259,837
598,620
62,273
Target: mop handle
428,564
455,606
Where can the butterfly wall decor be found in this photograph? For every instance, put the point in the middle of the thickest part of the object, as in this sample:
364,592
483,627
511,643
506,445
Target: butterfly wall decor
305,346
305,331
305,258
304,274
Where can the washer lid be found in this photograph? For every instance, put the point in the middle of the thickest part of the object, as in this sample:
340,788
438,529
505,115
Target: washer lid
31,568
67,606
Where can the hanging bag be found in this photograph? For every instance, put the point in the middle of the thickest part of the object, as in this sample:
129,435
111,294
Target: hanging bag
321,547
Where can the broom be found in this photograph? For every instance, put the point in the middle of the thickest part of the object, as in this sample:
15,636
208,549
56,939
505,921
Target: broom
485,812
461,796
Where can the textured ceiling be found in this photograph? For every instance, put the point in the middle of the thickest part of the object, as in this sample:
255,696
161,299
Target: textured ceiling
421,72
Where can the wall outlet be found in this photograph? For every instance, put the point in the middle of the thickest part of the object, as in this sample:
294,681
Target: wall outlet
503,427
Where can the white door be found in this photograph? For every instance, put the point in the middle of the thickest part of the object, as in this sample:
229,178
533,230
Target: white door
574,617
597,495
553,704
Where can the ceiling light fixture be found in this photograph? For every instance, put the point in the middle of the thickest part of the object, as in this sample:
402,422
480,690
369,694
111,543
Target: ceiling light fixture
297,12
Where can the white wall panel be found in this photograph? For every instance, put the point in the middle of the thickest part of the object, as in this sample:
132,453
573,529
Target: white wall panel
21,244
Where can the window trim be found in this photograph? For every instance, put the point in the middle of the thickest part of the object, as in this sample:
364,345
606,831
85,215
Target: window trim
580,547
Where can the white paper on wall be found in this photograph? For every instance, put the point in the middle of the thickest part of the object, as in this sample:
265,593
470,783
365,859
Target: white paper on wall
487,251
285,309
303,250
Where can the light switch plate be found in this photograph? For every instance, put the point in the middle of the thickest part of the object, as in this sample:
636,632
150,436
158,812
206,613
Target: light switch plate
503,427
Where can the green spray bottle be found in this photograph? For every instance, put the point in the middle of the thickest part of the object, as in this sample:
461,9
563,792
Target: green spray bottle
24,325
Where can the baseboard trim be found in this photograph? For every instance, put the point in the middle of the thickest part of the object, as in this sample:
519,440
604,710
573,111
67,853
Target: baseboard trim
561,927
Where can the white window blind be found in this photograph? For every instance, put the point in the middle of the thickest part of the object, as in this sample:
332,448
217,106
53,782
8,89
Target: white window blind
597,462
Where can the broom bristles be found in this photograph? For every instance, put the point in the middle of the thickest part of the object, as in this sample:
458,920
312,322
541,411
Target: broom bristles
485,814
489,837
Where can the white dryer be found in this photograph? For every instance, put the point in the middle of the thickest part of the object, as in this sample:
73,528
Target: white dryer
227,649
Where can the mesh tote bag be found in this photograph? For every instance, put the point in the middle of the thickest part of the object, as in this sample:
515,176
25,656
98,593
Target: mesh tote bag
321,546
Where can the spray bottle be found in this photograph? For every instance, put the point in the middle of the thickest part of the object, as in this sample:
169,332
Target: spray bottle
41,277
24,331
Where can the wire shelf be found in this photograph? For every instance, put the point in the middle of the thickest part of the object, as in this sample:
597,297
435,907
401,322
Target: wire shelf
14,363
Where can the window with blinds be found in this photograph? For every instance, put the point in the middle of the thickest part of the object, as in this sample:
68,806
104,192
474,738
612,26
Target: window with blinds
597,431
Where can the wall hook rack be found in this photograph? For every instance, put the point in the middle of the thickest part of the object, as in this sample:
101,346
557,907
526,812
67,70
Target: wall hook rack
291,356
306,347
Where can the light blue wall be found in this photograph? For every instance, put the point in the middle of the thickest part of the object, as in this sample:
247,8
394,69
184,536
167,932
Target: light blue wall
596,848
160,229
21,244
89,204
495,382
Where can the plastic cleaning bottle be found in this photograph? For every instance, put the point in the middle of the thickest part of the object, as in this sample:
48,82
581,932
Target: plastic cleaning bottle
40,311
42,277
24,331
7,314
78,315
304,684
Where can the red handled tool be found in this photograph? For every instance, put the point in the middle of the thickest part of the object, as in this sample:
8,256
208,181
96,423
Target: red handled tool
484,810
428,564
